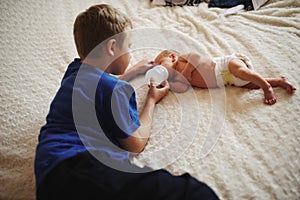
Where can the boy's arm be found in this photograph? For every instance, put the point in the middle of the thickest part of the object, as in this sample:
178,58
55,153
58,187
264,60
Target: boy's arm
136,70
138,140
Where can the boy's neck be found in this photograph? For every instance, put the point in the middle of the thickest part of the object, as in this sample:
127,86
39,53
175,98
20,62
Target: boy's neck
96,62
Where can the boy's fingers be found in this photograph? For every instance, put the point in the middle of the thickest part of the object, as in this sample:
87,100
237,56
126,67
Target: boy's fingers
165,84
151,64
152,82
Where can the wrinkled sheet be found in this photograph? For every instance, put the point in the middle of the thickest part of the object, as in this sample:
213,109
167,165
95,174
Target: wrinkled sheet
224,137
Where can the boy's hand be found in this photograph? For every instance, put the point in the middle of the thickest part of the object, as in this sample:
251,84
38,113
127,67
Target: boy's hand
136,70
159,92
143,66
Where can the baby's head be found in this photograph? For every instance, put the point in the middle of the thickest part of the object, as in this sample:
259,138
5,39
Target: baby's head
168,59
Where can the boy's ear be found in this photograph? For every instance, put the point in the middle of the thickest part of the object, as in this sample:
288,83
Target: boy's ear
111,47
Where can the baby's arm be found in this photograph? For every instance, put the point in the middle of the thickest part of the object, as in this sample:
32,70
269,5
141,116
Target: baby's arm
191,62
179,84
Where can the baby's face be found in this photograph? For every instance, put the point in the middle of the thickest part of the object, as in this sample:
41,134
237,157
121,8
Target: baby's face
164,60
167,62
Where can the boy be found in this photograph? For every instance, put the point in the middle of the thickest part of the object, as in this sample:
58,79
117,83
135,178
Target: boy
94,117
206,72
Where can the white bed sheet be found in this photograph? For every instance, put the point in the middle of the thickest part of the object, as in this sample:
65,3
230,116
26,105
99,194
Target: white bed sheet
226,137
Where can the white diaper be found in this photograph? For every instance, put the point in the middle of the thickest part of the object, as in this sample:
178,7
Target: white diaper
223,75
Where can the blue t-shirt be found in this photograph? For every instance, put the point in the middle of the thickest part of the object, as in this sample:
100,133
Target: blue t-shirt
90,111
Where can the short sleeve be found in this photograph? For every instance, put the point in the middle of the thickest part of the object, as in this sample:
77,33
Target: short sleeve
124,111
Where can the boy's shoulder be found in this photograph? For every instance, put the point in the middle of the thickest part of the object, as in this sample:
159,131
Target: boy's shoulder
88,76
111,83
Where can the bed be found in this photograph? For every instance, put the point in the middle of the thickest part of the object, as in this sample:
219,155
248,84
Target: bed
224,137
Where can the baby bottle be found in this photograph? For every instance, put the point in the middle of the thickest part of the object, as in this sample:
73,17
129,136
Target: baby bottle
159,74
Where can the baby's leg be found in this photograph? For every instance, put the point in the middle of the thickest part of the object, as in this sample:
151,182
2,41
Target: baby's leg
275,82
239,69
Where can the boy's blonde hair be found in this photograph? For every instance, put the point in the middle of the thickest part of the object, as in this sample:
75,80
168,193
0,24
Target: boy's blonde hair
96,24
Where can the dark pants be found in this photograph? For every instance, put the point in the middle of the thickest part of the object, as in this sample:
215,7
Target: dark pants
84,177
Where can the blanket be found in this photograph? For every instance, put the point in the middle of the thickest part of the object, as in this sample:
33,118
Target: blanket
225,137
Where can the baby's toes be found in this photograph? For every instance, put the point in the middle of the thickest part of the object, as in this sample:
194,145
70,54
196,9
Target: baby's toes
291,89
270,101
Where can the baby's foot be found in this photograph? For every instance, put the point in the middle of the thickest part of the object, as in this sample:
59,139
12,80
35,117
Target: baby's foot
287,85
270,98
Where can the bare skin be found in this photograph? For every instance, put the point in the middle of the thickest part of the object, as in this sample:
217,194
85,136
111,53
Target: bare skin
196,70
275,82
239,69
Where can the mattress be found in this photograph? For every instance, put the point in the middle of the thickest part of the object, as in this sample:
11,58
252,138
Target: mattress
226,137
